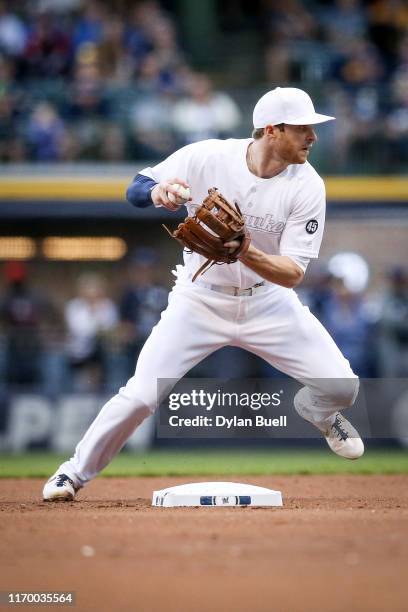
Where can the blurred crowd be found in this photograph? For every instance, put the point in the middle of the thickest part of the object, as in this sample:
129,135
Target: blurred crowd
91,342
83,80
358,51
371,329
91,80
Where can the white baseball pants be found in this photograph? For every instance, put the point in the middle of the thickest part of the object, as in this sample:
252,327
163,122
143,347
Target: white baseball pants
272,323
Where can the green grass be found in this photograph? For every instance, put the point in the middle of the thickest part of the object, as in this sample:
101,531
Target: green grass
243,462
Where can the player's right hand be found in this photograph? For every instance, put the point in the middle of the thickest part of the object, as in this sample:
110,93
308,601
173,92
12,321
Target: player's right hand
160,191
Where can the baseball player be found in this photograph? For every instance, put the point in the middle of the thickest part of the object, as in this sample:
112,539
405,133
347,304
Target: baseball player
250,303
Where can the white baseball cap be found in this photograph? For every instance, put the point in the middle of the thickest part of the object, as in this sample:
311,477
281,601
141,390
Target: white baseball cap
286,105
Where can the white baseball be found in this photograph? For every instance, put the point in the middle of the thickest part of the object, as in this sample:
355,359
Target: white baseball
182,192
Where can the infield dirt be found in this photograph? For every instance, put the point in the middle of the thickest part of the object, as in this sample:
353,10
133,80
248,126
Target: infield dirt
340,543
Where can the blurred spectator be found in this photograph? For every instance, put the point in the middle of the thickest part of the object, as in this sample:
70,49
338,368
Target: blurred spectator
151,80
285,24
90,24
360,65
45,133
115,64
152,136
393,326
164,39
137,41
343,314
113,143
87,88
70,146
150,116
142,302
13,32
12,147
11,144
386,21
205,113
277,64
340,133
397,120
90,317
288,20
139,33
30,325
87,106
343,22
316,291
48,49
359,130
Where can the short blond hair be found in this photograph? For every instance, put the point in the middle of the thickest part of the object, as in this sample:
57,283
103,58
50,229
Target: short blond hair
257,133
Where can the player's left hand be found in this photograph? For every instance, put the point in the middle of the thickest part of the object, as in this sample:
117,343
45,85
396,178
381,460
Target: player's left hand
217,231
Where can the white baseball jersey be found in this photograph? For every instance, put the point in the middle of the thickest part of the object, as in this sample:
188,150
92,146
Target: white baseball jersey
285,214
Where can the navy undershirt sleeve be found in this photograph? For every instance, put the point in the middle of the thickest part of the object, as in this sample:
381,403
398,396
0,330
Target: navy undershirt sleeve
139,191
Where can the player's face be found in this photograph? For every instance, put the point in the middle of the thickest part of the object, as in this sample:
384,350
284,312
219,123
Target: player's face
294,143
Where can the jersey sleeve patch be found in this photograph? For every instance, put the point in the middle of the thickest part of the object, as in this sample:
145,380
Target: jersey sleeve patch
311,226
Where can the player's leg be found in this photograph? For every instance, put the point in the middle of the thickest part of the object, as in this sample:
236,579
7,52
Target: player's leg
291,339
188,331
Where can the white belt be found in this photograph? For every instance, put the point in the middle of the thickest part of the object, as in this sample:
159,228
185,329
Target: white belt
232,290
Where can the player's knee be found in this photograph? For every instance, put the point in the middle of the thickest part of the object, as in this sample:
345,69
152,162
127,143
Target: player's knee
343,391
139,398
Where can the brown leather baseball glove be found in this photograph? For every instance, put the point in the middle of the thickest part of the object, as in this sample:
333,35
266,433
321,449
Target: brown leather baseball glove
215,222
